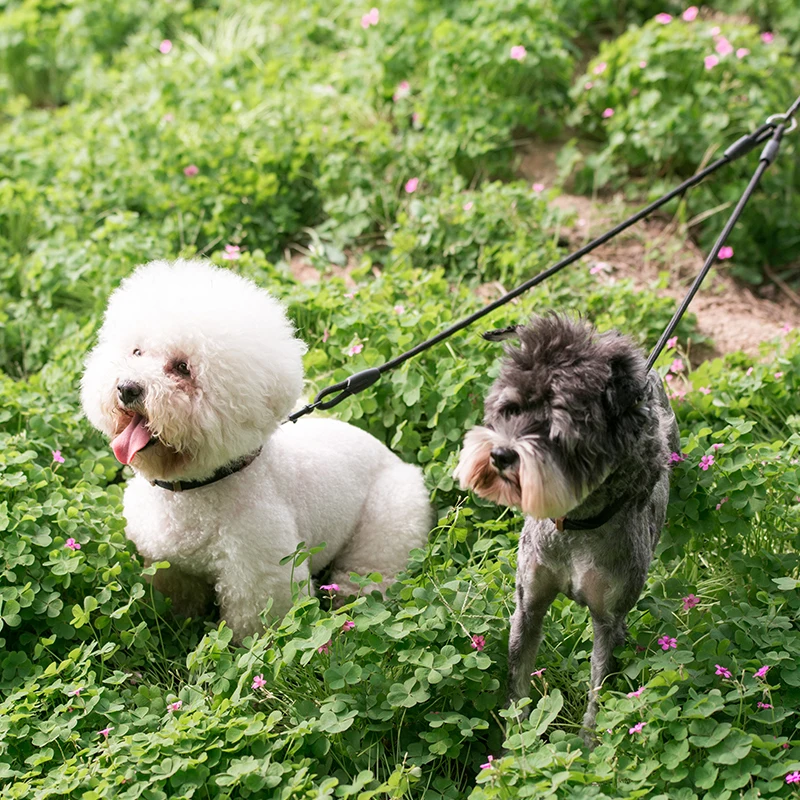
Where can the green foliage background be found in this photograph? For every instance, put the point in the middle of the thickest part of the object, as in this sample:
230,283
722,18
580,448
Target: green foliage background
304,137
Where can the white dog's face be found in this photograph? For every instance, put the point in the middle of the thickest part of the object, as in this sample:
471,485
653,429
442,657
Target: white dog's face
195,366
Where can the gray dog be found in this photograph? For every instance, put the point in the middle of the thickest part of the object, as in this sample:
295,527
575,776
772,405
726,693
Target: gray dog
578,436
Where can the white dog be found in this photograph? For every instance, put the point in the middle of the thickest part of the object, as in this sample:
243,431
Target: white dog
194,371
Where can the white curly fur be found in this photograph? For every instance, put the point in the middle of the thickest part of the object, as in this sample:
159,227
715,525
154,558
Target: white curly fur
315,481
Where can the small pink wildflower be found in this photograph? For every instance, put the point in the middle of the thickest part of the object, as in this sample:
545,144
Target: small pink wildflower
488,764
724,47
672,343
749,372
767,37
72,544
706,462
785,745
259,682
176,706
411,185
600,68
722,503
717,446
787,328
57,457
325,648
723,671
778,376
231,252
354,349
326,334
637,728
642,64
704,390
725,253
676,366
588,85
468,206
793,777
742,52
165,46
106,731
690,14
518,52
76,692
538,187
714,31
191,170
403,90
690,601
399,309
637,693
668,642
663,19
763,705
538,672
348,625
478,643
676,458
761,672
609,112
710,62
597,268
168,118
372,17
329,587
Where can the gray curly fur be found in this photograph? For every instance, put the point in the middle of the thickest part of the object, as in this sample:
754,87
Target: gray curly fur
588,405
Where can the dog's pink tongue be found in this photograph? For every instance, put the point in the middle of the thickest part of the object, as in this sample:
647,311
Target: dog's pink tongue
128,443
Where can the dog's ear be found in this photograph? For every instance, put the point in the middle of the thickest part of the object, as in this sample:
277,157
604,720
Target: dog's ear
626,385
501,334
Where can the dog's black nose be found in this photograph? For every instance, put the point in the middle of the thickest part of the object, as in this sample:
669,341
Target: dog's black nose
129,391
504,457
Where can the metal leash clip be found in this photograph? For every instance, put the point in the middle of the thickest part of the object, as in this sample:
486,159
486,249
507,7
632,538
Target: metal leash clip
777,119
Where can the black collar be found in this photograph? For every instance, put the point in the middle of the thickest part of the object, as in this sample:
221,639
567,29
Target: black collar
590,523
222,472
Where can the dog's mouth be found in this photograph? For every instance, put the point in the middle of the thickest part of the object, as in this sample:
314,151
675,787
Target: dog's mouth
133,438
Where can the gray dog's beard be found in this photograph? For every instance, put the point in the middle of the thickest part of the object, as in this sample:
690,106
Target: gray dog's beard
535,485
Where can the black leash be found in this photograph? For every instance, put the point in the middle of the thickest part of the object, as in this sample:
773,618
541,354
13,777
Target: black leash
771,130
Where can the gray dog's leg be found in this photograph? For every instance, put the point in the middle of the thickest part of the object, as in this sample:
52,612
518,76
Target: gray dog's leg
609,632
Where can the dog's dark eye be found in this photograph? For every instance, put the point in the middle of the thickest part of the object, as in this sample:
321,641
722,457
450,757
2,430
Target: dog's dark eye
510,409
137,352
182,368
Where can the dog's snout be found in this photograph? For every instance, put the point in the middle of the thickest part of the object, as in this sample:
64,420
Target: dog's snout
504,457
129,391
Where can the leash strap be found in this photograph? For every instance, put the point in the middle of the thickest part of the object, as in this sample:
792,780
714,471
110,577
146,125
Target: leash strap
774,126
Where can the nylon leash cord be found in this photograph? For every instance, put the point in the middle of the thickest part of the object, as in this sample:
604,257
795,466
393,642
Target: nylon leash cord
771,132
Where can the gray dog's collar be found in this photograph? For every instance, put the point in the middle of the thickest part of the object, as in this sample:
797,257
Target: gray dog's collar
223,472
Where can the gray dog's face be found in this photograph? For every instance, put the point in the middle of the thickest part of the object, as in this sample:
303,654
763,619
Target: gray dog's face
558,419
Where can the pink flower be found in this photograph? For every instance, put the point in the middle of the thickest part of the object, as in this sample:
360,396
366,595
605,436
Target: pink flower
763,705
609,112
690,601
329,587
403,90
588,85
538,187
350,295
106,731
742,52
723,671
57,457
787,328
72,544
538,672
706,462
488,764
667,642
761,672
767,37
676,366
354,349
717,446
663,19
600,68
793,777
518,52
749,372
411,185
637,728
478,643
642,64
714,31
326,334
597,268
176,706
165,46
372,17
722,503
259,682
348,625
76,692
724,47
676,458
710,62
468,206
725,253
399,309
325,648
191,171
168,118
637,693
231,252
690,14
778,376
704,390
